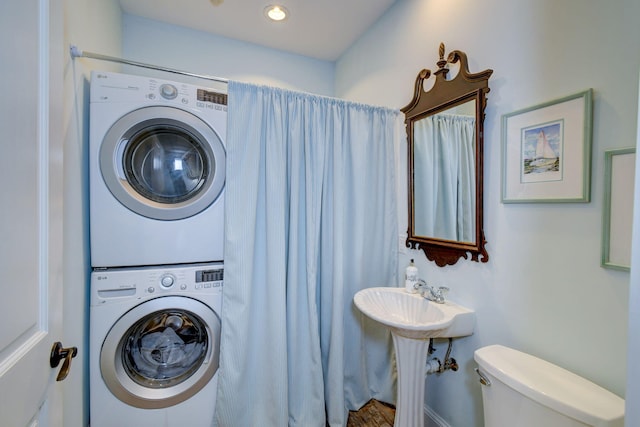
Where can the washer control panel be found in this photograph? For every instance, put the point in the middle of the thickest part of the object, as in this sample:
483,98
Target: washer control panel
114,284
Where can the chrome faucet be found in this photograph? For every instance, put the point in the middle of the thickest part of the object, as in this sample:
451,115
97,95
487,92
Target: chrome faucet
429,292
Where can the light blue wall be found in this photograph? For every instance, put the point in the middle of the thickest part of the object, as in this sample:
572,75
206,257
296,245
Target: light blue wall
94,26
543,290
180,48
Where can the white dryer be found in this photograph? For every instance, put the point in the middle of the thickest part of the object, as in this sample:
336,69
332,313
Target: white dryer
156,171
154,345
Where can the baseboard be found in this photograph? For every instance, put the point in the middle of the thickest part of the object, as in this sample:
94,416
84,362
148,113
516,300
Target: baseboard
432,419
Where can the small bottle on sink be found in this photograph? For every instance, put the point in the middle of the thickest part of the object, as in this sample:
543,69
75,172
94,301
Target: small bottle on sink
411,278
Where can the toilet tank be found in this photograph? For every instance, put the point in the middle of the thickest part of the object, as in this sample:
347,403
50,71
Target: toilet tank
526,391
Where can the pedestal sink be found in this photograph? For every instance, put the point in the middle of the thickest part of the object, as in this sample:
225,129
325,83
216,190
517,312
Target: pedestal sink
413,320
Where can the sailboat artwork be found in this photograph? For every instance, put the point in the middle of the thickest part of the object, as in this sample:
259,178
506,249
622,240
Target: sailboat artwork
542,149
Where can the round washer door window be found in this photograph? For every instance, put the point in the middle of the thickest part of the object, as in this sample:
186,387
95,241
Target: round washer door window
163,163
161,352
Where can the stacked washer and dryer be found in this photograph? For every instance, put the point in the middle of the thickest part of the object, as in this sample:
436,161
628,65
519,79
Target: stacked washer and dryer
157,175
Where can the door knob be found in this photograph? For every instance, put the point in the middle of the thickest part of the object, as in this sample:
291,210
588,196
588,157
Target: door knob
59,353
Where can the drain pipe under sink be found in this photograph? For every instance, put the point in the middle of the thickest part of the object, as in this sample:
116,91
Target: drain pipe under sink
435,366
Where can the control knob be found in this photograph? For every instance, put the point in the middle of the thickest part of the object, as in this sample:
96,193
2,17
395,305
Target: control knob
167,281
168,91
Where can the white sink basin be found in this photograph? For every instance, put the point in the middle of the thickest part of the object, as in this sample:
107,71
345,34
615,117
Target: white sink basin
413,316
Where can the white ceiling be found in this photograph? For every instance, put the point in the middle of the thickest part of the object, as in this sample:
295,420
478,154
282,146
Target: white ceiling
321,29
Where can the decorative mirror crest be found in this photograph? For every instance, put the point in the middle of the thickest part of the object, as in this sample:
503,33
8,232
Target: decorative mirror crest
445,143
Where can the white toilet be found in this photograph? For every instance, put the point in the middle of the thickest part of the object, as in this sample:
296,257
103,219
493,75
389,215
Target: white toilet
520,390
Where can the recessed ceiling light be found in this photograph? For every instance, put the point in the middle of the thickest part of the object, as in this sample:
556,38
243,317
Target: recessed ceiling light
276,12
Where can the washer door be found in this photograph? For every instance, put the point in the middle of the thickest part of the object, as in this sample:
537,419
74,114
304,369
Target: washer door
163,163
161,352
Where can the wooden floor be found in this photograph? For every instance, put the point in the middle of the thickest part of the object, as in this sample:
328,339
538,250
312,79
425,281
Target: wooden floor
373,414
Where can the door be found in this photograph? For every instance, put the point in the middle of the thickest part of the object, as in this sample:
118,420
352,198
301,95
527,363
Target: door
30,210
632,411
163,163
161,352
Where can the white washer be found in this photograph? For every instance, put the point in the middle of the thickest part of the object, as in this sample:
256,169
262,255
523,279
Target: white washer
154,345
156,171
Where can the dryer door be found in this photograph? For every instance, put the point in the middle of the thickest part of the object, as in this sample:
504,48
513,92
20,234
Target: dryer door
163,163
161,352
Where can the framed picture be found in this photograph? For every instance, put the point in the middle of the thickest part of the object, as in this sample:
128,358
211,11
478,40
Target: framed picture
546,152
617,218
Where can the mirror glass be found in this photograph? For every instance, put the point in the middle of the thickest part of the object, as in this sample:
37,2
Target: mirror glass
445,142
444,155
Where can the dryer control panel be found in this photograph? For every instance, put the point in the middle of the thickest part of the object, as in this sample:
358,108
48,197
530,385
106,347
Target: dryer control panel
116,87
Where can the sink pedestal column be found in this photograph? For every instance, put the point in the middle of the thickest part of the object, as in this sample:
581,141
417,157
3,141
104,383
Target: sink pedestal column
411,356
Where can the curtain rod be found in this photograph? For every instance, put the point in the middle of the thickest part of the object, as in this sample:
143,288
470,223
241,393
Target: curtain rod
78,53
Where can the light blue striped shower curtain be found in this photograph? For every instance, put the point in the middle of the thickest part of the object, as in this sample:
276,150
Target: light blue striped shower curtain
310,220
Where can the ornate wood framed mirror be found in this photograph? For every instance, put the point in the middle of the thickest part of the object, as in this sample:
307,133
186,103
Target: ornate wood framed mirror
445,144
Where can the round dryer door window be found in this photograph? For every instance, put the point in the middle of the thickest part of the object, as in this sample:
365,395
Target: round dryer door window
161,352
163,163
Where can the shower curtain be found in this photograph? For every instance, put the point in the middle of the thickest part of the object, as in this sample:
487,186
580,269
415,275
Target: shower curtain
310,220
445,180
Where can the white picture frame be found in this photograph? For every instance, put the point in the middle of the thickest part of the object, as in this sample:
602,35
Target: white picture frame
546,152
617,217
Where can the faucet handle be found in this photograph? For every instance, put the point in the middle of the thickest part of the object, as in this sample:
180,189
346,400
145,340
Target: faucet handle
443,290
441,293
